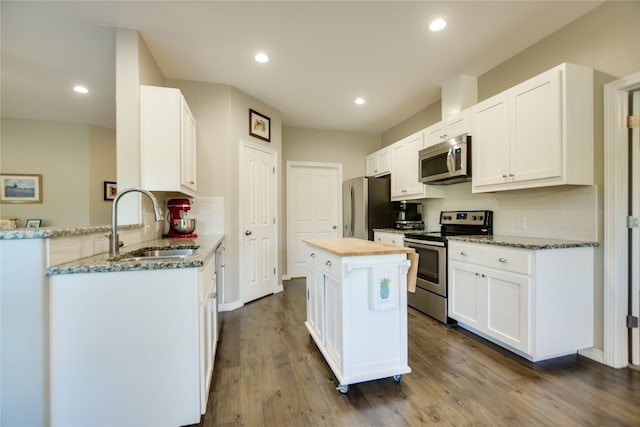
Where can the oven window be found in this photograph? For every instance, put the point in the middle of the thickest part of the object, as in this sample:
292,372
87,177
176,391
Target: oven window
428,265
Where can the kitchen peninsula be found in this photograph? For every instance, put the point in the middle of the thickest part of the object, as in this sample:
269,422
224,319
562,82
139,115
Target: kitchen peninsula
133,338
357,307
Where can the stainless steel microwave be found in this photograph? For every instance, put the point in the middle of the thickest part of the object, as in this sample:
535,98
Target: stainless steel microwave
448,162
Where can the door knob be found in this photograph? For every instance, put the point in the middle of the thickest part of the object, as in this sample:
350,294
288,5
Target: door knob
247,233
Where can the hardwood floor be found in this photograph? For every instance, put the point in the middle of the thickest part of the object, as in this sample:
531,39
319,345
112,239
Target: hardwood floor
268,372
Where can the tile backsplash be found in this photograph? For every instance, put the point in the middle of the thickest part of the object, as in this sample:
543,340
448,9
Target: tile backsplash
567,212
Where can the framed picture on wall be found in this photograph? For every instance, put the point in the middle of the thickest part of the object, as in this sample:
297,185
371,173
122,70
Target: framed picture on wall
110,190
20,188
259,126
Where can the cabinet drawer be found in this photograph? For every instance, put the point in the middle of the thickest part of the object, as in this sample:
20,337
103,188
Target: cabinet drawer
326,261
517,261
465,252
313,256
330,264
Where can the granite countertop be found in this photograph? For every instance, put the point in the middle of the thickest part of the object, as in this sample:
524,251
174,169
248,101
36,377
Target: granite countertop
101,263
524,242
52,232
357,247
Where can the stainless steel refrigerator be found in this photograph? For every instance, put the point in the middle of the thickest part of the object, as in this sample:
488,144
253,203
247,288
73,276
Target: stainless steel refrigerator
366,204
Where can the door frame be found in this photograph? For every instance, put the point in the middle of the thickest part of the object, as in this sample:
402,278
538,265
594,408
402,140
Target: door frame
616,205
244,144
327,165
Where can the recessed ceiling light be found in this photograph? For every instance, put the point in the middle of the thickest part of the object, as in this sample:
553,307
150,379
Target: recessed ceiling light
437,24
261,58
359,101
80,89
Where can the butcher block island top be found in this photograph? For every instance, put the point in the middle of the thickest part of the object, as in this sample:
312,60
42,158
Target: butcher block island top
349,246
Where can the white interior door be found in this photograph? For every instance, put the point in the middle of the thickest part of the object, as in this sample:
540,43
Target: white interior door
314,208
258,226
634,243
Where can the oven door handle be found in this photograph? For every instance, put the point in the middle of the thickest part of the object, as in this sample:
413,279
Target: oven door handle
423,243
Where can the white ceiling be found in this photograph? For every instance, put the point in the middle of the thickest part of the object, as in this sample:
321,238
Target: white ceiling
323,54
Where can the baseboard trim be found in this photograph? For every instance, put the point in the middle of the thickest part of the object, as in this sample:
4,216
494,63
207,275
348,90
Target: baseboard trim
230,306
593,354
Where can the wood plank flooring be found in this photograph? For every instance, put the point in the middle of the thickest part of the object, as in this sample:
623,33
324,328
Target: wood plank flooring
268,372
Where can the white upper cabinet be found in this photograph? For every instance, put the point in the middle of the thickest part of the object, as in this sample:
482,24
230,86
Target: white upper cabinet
405,182
167,141
536,134
378,163
448,128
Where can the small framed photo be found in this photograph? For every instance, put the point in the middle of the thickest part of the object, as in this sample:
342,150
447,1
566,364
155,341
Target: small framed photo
259,126
110,190
33,223
20,188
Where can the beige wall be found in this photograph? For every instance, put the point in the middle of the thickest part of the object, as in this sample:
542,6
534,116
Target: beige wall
607,39
348,148
420,120
222,116
64,154
102,167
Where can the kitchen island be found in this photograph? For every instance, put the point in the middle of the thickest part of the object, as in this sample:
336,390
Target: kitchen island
357,308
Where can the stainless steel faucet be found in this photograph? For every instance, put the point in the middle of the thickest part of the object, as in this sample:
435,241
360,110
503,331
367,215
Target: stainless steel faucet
114,240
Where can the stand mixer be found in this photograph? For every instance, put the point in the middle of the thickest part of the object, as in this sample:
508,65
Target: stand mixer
179,225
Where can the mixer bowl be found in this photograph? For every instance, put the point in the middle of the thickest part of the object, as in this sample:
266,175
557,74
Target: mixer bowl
183,226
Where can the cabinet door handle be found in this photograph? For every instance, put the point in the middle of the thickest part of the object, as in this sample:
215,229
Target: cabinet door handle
504,175
393,241
328,263
247,233
503,260
313,255
464,253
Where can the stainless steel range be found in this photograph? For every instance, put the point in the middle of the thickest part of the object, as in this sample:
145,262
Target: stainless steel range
431,287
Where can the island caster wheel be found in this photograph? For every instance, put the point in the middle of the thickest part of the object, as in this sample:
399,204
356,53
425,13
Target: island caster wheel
343,388
397,378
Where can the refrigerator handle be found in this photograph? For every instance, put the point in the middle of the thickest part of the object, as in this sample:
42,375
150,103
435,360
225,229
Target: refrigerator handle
353,212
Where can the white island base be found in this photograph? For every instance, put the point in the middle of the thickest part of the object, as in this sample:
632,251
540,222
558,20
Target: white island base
357,308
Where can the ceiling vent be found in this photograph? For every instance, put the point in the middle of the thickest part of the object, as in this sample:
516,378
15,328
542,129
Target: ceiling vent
458,93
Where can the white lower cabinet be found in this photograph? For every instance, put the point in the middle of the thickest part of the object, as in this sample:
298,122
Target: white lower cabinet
208,306
537,303
132,348
361,335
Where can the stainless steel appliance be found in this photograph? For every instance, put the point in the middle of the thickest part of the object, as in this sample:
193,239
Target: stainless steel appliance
366,204
431,286
446,163
408,216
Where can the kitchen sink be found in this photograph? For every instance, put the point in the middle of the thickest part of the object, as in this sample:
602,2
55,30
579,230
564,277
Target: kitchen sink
157,254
